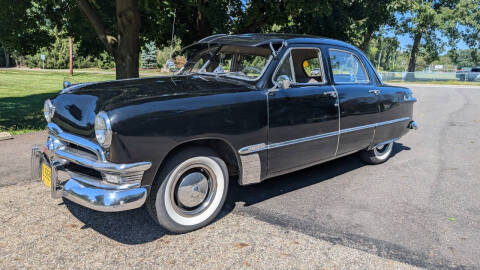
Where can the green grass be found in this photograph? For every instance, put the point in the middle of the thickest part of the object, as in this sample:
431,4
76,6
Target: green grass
22,94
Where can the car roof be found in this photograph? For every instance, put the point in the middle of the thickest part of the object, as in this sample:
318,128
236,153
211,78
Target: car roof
254,39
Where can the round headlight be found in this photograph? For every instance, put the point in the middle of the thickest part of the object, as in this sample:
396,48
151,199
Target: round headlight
48,110
103,129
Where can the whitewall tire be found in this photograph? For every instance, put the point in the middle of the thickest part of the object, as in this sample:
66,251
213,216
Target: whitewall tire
378,154
189,191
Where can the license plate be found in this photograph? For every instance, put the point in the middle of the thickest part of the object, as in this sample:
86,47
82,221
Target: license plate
46,175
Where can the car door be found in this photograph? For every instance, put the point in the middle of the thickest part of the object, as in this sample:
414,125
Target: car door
303,118
358,99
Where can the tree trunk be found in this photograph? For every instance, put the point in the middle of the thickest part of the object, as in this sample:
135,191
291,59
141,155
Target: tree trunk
125,47
128,49
255,20
413,57
202,26
7,57
366,41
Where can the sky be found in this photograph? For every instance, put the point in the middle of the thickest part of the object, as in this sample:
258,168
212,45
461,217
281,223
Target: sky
406,40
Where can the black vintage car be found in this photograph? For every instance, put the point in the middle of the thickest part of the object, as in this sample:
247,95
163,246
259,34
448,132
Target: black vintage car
245,107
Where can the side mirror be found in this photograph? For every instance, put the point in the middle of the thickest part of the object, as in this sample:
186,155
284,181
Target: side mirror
283,81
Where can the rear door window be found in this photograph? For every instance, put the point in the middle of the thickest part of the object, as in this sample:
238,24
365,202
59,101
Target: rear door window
347,67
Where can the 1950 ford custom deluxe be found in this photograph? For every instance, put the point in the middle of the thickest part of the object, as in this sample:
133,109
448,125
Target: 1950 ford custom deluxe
244,107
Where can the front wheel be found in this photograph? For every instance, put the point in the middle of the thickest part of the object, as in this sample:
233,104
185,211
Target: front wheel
189,191
378,154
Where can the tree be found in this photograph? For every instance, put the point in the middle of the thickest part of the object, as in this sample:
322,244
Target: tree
123,26
24,28
468,15
465,58
423,21
149,55
352,21
124,43
376,14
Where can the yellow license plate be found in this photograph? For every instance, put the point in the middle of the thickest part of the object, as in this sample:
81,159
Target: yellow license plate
46,175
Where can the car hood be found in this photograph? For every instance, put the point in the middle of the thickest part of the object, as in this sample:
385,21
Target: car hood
77,106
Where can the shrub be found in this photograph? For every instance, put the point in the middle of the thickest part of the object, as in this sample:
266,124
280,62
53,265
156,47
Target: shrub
148,56
57,57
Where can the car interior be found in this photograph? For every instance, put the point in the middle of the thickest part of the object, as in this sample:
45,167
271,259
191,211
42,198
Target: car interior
306,65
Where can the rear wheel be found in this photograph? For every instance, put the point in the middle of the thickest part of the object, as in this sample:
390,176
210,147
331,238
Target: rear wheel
378,154
190,190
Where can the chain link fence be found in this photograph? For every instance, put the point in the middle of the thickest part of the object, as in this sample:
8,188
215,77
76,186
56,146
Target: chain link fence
461,76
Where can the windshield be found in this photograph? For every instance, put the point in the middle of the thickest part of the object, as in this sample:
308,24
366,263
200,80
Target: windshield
233,61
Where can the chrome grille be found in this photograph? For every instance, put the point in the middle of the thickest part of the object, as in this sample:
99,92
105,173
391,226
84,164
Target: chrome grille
78,150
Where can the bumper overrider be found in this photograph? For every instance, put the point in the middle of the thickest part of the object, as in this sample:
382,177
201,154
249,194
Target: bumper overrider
81,173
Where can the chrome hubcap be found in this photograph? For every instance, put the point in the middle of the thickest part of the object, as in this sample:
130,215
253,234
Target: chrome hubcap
383,151
193,189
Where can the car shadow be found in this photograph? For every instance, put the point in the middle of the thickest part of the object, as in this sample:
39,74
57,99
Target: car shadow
136,227
279,185
23,112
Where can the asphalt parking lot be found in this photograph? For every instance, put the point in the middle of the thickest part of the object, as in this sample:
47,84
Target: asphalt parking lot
420,209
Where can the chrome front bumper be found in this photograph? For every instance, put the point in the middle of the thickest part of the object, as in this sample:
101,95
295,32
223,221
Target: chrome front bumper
105,200
63,150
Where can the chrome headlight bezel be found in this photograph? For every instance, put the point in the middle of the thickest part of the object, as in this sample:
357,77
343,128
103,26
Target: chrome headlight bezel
103,129
48,110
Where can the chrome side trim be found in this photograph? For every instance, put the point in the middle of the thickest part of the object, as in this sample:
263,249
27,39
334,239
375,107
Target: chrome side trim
347,130
392,121
252,148
256,148
301,140
251,169
342,131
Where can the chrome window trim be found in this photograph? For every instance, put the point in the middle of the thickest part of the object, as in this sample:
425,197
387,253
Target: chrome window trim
261,147
291,66
204,66
358,58
288,52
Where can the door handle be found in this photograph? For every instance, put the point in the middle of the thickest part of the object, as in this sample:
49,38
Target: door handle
376,92
330,93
